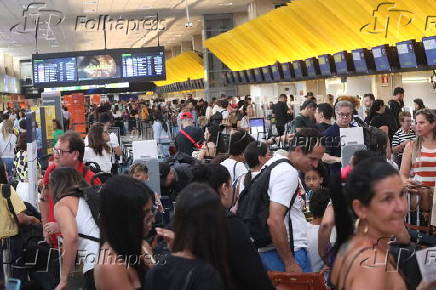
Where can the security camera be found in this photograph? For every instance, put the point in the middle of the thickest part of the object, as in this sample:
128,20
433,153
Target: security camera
188,24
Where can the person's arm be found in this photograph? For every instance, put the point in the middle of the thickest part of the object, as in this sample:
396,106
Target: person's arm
279,236
406,162
325,230
68,227
329,159
24,219
44,204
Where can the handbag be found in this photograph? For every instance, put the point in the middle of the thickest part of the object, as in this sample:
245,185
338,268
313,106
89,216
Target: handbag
298,281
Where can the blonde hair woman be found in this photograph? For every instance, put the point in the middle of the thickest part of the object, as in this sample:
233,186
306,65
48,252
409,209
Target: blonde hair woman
8,141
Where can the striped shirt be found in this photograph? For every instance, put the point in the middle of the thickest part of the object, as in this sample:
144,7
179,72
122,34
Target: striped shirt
424,167
400,136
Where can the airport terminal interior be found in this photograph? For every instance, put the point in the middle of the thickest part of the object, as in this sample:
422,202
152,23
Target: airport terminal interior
217,144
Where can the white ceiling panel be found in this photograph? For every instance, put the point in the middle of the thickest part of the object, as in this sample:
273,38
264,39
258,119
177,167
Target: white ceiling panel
54,37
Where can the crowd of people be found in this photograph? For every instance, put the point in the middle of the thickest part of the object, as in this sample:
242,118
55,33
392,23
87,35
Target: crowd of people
233,206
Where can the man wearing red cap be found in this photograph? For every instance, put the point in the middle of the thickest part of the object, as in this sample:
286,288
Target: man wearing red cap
190,138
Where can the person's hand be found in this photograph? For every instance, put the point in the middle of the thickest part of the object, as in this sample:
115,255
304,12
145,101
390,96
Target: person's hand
168,236
426,285
62,285
51,228
46,236
293,268
33,221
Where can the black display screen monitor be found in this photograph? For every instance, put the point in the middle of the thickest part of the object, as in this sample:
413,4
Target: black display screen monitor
288,71
429,44
99,67
312,67
326,65
277,72
243,76
410,54
267,73
383,57
236,78
258,75
343,63
363,60
299,67
229,78
251,76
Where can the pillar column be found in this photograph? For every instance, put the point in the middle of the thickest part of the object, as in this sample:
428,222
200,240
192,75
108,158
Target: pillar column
258,8
185,46
214,81
197,43
175,51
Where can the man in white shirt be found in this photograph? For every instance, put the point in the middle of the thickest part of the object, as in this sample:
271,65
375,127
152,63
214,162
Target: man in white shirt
306,151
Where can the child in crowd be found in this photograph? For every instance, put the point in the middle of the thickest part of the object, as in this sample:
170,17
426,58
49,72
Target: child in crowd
314,180
139,171
318,203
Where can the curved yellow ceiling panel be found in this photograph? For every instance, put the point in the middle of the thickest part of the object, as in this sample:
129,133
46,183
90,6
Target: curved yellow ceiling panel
187,65
308,28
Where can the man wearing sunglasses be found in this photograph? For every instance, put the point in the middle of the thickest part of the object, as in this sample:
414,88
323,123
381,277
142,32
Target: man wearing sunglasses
68,152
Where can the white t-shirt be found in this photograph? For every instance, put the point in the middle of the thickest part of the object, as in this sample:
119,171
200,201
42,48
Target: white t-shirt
235,170
312,248
105,160
7,146
283,184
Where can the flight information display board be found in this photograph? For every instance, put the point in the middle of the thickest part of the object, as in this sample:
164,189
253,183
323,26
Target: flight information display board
57,70
99,67
341,62
406,54
325,65
143,64
359,60
381,58
430,49
298,69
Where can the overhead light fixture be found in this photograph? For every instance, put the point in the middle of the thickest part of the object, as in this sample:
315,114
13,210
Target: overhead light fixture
225,4
146,7
188,23
412,80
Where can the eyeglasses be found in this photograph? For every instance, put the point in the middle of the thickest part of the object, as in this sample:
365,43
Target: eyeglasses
344,115
60,151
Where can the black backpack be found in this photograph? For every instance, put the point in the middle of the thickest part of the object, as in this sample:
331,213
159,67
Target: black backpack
30,256
217,118
91,194
253,207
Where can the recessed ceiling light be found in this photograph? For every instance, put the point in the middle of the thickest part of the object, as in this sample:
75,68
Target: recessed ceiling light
226,4
91,2
146,7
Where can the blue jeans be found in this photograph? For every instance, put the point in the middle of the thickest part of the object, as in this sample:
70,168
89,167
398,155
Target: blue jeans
9,165
272,262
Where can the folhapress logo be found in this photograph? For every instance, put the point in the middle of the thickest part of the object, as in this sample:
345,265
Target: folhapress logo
106,22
